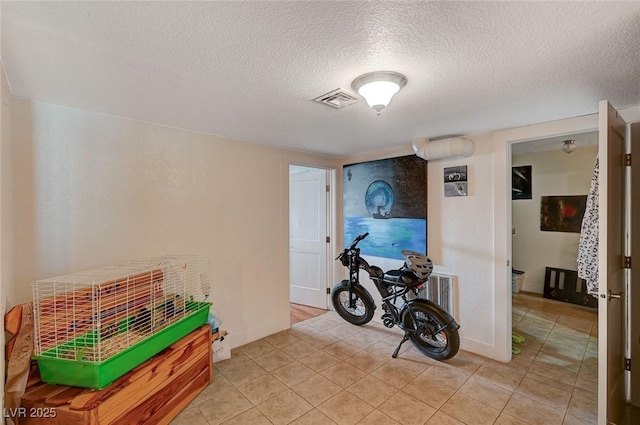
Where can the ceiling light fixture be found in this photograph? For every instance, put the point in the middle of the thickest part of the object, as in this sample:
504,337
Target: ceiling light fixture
568,145
378,88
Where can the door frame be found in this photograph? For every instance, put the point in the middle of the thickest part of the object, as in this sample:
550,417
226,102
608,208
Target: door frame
509,203
506,139
332,179
502,224
509,182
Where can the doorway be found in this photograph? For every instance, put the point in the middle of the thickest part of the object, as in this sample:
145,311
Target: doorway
560,351
310,227
550,181
613,245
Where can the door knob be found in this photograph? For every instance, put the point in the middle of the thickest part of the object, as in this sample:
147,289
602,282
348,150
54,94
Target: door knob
613,295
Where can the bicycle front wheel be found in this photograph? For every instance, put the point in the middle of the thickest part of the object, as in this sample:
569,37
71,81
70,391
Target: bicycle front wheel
430,333
358,310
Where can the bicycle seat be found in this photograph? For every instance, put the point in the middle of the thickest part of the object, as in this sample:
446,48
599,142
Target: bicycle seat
402,277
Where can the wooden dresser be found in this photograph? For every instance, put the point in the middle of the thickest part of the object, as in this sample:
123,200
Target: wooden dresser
153,393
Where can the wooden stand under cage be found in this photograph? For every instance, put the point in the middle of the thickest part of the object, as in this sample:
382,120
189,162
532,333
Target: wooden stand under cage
153,393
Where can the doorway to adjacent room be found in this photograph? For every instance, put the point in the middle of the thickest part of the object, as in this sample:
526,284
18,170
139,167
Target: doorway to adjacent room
309,236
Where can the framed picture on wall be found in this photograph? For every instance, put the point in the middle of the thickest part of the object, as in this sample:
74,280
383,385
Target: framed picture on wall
521,182
562,213
455,181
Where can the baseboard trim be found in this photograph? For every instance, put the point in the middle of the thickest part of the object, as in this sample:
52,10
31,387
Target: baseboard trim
251,335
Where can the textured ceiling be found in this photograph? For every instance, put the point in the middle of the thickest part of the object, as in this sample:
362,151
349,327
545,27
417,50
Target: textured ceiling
248,70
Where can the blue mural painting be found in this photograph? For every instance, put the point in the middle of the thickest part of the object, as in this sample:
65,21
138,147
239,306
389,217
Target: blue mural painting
388,199
387,237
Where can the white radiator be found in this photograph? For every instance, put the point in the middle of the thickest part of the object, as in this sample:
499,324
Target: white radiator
441,290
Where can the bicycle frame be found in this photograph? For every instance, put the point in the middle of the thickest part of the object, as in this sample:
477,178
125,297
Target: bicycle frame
357,263
419,318
389,298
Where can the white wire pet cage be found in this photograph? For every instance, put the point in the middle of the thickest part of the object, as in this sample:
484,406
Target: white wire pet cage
92,327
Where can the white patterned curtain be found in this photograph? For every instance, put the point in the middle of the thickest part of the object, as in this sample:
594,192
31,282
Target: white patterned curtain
588,247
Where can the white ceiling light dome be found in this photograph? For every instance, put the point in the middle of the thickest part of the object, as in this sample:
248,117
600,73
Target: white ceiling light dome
379,87
569,145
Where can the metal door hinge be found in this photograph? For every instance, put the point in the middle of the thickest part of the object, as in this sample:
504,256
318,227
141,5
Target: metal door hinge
627,160
328,188
626,262
627,364
328,239
328,291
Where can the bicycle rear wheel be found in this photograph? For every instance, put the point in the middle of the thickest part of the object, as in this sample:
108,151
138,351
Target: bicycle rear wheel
430,332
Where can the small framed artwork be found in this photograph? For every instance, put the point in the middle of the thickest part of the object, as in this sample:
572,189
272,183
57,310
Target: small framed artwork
455,181
521,182
562,213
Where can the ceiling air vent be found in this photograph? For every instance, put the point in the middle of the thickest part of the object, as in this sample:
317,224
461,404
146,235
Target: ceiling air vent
337,98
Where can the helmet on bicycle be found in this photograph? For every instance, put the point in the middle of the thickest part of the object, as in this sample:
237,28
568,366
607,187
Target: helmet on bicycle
419,263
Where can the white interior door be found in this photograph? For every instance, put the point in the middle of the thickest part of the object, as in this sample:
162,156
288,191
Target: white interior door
308,237
611,388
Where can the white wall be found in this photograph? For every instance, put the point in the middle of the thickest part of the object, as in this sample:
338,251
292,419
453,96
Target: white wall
554,173
93,190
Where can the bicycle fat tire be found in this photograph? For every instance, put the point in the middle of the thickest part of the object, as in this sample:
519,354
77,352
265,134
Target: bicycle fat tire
362,313
424,319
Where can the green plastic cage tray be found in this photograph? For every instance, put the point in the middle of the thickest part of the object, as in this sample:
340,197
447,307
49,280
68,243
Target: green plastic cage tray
81,372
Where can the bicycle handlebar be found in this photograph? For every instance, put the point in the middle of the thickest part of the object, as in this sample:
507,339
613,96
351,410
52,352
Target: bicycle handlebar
353,244
358,239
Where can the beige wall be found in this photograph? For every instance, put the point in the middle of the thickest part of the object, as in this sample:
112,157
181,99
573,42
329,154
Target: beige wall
460,241
6,209
93,190
554,173
6,201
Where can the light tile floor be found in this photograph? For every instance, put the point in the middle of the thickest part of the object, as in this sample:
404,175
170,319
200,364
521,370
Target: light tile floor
325,371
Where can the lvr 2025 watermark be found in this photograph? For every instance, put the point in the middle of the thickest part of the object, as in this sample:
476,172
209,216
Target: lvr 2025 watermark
31,412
